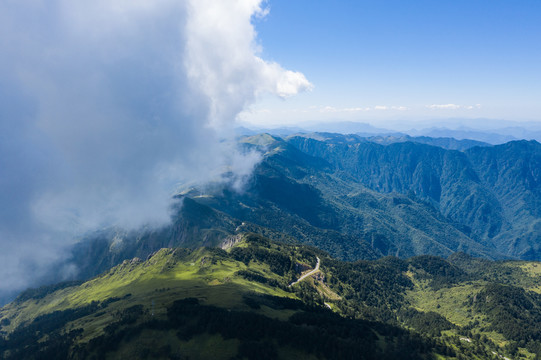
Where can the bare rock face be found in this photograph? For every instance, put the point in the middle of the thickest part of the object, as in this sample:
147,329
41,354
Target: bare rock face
357,199
230,241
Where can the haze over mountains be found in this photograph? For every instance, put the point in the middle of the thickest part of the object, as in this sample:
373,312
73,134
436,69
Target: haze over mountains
357,199
396,214
490,131
379,213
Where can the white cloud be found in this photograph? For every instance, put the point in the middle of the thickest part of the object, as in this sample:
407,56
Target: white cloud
105,105
328,109
452,107
444,106
400,108
222,58
354,109
332,109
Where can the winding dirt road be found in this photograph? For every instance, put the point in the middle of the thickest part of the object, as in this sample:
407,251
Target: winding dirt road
307,274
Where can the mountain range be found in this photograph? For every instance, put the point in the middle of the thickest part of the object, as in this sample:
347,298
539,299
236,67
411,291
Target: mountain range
491,131
357,199
408,245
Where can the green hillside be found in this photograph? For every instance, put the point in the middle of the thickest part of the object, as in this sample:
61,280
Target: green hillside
200,304
356,200
236,302
300,192
405,236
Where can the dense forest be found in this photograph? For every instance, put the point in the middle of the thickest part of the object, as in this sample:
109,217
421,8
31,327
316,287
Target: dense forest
241,301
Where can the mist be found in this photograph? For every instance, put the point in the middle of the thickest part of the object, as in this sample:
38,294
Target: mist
106,106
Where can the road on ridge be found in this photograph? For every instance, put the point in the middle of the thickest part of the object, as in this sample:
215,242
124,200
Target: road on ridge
307,274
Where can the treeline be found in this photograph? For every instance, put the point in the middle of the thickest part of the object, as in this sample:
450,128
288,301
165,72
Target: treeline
251,275
311,330
377,284
279,263
45,338
281,258
440,272
429,323
372,301
41,292
513,312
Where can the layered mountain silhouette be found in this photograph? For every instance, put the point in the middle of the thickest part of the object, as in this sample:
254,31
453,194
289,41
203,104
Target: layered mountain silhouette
492,194
241,259
357,199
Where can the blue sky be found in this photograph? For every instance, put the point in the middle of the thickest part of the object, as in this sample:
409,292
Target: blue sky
105,106
383,61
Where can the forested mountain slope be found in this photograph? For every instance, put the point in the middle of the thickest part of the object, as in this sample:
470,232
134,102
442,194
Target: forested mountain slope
300,194
493,194
200,304
357,200
237,302
512,172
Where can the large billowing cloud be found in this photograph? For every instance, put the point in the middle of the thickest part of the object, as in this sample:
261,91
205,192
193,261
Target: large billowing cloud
106,104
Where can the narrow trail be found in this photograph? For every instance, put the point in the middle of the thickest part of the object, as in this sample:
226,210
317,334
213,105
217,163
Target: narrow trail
307,274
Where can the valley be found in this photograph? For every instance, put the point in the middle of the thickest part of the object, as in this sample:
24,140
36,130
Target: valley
209,302
270,179
356,200
335,246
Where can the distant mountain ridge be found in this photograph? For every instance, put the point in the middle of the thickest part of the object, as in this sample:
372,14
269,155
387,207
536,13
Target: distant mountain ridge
490,131
444,142
230,256
477,188
493,137
357,199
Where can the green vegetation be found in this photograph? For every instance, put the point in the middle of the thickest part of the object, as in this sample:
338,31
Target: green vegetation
223,304
387,215
493,304
239,301
490,194
356,199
